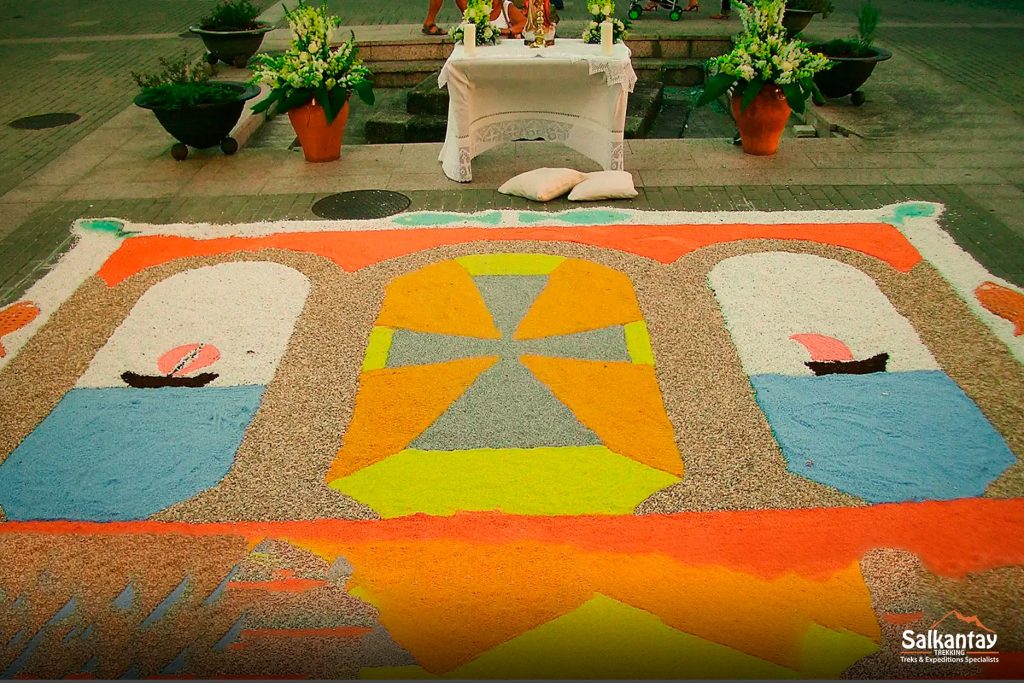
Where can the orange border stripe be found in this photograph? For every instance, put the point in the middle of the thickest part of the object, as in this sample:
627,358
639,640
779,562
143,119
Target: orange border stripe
358,249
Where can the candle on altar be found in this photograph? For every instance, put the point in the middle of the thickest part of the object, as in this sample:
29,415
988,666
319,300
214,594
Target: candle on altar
469,38
606,38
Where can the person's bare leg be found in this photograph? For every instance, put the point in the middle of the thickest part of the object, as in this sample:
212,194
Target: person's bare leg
433,7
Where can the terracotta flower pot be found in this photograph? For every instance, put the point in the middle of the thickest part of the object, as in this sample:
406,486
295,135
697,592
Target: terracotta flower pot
320,142
762,122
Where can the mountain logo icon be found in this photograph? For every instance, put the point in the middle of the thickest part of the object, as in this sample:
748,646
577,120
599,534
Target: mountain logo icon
972,620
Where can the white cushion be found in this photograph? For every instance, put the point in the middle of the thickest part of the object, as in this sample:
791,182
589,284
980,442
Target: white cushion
604,185
542,184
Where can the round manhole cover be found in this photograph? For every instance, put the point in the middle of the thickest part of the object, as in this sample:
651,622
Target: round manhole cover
43,121
361,204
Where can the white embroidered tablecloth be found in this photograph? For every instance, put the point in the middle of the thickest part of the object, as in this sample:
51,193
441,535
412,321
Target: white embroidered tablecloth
567,93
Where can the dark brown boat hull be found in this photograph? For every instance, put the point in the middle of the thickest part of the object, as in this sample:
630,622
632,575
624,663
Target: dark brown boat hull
138,381
866,366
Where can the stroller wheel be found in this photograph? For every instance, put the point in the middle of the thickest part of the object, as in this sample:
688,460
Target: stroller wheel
634,13
675,15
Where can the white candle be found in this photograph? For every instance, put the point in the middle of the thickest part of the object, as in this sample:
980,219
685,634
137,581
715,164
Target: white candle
469,38
606,38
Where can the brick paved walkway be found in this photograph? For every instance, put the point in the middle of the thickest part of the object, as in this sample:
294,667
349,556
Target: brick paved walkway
942,123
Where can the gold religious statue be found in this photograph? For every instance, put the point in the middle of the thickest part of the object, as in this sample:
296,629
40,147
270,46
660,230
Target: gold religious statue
540,24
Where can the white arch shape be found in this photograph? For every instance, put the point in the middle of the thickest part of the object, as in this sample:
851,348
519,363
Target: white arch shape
246,309
768,297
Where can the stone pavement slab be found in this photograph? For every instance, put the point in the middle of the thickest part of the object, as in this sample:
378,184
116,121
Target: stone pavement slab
934,128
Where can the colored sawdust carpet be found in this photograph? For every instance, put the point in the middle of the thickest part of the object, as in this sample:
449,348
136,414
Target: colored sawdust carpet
594,444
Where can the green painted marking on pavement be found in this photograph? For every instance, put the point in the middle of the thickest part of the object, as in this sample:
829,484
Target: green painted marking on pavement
425,219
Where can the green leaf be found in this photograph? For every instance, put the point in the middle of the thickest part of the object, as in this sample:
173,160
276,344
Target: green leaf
365,91
267,101
339,96
292,98
750,92
816,95
323,98
795,96
715,87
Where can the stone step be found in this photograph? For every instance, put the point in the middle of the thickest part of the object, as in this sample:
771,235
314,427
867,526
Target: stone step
404,74
670,71
425,116
413,73
643,47
394,125
427,98
643,107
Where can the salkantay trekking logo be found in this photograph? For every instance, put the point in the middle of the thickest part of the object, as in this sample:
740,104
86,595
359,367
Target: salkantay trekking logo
948,645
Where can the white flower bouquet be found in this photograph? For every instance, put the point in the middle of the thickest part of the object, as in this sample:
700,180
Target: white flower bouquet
478,13
310,68
763,54
601,11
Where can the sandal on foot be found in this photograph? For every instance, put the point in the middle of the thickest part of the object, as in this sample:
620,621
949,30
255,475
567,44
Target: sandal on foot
721,17
433,30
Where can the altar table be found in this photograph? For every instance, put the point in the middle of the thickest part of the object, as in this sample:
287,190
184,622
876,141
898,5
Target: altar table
567,93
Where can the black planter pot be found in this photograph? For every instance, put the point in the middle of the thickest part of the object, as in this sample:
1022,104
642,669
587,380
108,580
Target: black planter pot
848,74
204,125
232,47
796,20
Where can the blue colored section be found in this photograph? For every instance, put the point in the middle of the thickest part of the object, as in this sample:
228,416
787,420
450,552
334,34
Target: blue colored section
885,437
176,665
231,635
22,659
215,595
160,610
125,599
124,454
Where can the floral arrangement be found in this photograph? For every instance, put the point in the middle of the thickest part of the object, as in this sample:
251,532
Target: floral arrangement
310,68
601,11
762,55
478,12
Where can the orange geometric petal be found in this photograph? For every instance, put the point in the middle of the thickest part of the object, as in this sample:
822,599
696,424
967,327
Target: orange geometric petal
441,298
394,406
620,402
580,296
14,317
1002,301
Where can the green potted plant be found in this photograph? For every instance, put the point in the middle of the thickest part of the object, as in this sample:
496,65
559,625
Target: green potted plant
601,11
853,59
800,12
231,32
477,13
196,111
313,81
769,74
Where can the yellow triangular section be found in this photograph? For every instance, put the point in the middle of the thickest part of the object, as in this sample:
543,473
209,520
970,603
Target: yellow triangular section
621,402
395,405
441,298
638,343
605,638
377,348
570,480
825,653
580,296
510,264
